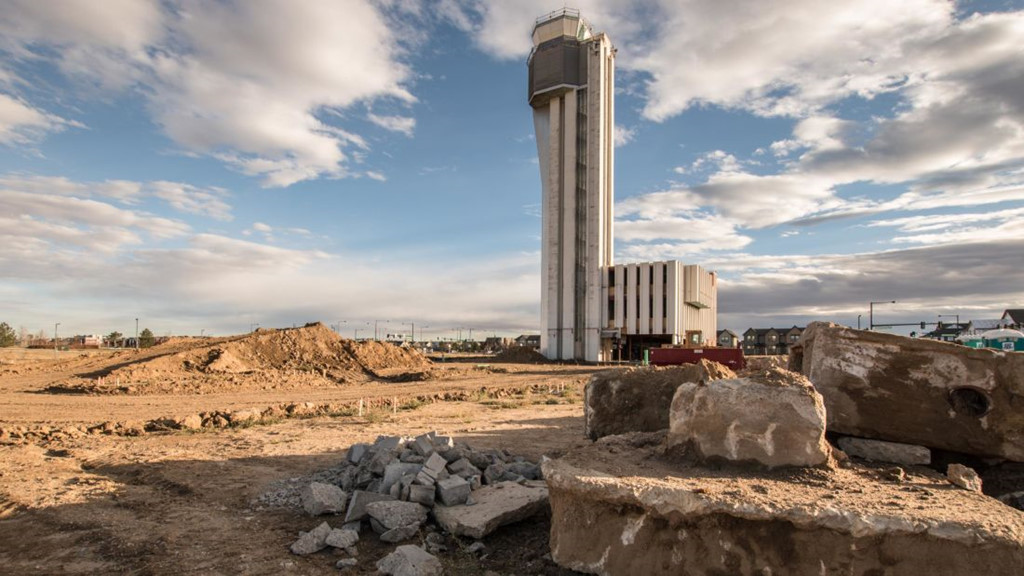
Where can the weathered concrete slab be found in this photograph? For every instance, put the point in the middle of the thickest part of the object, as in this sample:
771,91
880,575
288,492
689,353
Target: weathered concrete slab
496,505
637,399
618,508
916,391
774,418
882,451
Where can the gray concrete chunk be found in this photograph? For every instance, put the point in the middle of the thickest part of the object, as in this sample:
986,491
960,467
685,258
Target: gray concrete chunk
881,451
496,506
342,538
409,560
387,443
424,479
397,513
453,491
463,467
319,498
436,463
393,473
357,505
356,452
401,533
443,443
422,495
423,446
311,542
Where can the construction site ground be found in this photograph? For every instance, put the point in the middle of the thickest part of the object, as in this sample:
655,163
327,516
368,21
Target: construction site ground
195,502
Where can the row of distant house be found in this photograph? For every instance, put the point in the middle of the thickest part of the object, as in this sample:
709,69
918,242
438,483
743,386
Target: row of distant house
773,341
761,341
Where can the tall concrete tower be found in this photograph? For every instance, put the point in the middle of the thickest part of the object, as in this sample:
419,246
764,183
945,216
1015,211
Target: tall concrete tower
572,89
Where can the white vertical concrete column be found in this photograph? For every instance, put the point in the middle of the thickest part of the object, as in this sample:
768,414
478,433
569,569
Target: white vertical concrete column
609,150
645,298
658,292
620,298
674,293
569,255
632,313
549,231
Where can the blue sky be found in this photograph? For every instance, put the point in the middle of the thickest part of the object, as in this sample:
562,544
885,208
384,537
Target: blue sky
210,165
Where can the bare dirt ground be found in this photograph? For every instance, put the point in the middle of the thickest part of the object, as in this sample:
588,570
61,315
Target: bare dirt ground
196,502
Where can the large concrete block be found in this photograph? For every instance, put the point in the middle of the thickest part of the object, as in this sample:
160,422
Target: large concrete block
915,391
618,509
638,399
774,418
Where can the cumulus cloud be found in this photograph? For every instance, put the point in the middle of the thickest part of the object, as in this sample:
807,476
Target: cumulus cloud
187,198
402,124
21,123
249,83
209,202
55,228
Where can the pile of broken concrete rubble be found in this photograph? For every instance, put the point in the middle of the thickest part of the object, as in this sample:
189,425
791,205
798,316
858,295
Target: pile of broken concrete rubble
396,484
696,470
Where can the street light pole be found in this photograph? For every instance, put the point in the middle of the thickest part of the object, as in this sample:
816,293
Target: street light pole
871,312
55,340
136,333
858,321
376,336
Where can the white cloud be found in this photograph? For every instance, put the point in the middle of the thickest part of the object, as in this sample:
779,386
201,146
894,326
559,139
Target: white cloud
778,59
249,83
55,222
716,159
186,198
623,135
402,124
22,124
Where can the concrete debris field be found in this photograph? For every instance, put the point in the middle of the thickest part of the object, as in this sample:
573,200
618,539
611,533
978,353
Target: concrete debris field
299,451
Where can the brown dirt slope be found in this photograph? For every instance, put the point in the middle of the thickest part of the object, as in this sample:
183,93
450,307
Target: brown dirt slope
520,354
269,356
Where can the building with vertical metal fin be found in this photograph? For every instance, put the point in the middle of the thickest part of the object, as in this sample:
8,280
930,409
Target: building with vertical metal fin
592,310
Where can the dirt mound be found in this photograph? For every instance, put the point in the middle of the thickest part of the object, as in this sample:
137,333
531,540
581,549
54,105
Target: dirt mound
311,356
760,363
715,370
378,357
523,354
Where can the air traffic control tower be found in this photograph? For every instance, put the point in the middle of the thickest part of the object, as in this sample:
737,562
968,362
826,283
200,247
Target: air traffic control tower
572,87
592,310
